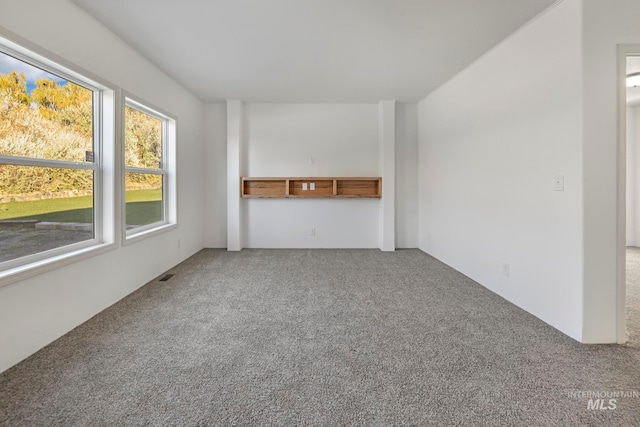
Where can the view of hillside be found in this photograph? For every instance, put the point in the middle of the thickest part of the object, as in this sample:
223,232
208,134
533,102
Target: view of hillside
52,119
51,122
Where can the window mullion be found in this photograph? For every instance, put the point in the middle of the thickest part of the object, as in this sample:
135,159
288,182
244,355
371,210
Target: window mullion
47,163
144,170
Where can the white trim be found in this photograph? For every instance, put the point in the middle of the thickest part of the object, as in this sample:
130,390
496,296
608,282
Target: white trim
129,169
98,163
53,262
34,59
140,105
168,171
621,285
103,238
171,168
149,230
48,59
109,158
34,258
47,163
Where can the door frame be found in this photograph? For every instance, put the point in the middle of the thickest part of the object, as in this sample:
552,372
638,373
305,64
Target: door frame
624,50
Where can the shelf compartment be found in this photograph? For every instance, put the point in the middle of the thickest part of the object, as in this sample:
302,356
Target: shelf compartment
362,187
263,188
323,187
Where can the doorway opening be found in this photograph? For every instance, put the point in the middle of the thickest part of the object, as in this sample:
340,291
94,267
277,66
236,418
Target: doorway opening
629,252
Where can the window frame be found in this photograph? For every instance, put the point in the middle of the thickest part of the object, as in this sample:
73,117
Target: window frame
103,100
168,171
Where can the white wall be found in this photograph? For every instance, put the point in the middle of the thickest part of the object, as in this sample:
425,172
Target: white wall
606,24
215,224
406,175
343,138
387,171
36,311
491,141
279,140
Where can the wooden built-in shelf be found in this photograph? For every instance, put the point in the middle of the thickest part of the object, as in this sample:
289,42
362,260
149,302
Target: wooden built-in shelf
266,188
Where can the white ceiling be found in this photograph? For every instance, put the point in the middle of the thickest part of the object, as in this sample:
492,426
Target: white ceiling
312,50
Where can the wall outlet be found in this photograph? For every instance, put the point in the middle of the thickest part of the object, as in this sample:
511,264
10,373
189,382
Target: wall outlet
312,186
505,269
179,242
304,186
313,232
312,160
558,183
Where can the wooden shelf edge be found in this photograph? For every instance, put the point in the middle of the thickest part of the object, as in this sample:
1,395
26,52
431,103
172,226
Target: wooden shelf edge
282,187
311,178
339,196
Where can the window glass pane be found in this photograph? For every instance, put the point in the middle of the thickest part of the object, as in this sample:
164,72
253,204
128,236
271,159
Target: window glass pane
43,208
143,199
142,140
43,115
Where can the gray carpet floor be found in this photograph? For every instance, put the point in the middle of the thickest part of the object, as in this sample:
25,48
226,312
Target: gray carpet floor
320,337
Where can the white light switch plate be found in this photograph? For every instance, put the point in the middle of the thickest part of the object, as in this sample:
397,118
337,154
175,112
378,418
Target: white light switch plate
304,186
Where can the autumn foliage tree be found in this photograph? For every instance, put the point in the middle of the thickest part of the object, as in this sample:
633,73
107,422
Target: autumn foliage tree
55,121
13,92
142,148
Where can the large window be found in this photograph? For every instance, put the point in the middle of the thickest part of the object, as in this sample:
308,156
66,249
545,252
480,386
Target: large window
148,135
50,159
62,196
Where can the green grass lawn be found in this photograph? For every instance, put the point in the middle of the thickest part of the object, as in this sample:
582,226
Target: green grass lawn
143,207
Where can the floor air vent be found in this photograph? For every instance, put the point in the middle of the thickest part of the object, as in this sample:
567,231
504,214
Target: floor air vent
166,277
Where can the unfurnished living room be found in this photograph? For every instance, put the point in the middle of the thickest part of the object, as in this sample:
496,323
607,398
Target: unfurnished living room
319,212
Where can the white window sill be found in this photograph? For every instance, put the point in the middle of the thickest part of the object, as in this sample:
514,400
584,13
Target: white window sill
136,236
25,271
